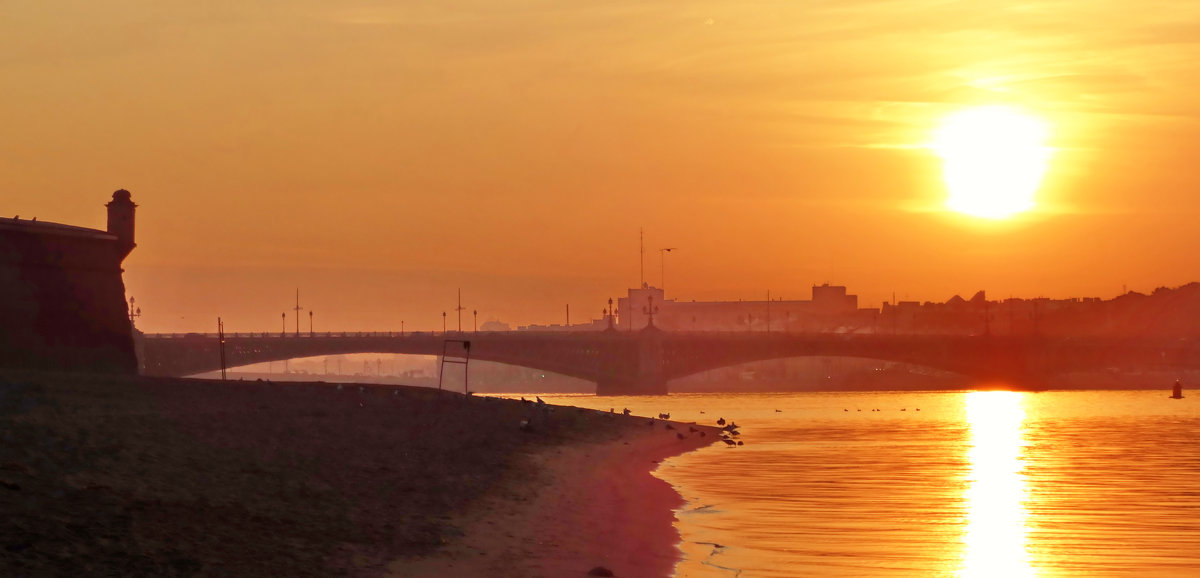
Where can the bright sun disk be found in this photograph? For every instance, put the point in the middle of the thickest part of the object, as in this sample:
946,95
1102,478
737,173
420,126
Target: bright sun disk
993,160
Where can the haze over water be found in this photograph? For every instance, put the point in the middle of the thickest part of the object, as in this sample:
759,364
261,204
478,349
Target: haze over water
1096,483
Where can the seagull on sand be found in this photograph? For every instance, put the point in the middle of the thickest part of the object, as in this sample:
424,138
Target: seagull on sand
720,421
729,442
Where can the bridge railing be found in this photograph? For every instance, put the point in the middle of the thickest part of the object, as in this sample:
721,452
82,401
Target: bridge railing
302,335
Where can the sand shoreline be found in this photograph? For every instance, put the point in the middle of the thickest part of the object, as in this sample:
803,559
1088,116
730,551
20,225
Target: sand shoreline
599,504
135,476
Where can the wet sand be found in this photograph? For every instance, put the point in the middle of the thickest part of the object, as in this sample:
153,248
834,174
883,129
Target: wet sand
119,476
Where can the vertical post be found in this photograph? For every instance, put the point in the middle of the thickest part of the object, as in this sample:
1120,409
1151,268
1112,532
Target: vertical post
768,310
401,328
459,309
297,310
475,315
310,329
568,316
283,331
443,322
466,369
221,344
662,263
642,257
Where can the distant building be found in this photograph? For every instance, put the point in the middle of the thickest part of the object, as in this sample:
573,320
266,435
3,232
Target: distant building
62,299
831,309
495,325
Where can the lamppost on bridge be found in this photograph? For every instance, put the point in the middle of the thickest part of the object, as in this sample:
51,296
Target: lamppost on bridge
443,322
650,310
401,328
310,328
475,314
134,312
611,313
283,332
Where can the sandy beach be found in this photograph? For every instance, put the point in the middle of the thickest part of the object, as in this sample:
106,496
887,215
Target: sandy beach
171,477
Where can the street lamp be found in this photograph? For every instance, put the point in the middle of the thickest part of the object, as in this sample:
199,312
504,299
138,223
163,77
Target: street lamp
310,331
283,333
443,322
662,258
134,312
475,314
650,310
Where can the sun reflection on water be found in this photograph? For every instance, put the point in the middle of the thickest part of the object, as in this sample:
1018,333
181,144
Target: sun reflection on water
995,536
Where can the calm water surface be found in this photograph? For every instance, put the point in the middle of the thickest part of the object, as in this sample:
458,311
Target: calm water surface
1081,483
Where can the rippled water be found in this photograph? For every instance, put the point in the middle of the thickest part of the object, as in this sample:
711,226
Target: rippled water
1096,483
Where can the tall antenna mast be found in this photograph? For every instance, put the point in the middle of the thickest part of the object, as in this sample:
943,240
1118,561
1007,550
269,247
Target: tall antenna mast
642,256
459,309
297,309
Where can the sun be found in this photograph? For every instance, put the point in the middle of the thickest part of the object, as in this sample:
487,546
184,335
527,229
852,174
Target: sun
993,160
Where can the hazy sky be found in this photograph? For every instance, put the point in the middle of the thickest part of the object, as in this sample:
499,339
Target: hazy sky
380,155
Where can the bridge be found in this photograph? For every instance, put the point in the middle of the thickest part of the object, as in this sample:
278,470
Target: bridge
642,362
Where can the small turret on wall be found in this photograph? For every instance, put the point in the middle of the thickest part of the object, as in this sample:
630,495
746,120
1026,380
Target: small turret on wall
120,220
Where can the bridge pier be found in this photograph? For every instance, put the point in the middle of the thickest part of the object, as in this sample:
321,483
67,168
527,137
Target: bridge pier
632,387
636,371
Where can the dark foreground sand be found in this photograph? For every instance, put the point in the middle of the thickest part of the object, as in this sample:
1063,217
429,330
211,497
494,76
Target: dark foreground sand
161,477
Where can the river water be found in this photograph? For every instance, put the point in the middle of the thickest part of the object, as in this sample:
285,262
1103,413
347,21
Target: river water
1058,483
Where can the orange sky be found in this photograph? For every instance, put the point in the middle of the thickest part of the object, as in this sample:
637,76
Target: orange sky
379,157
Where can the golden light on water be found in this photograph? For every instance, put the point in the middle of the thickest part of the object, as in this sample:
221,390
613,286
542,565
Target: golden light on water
993,160
995,537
